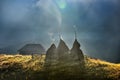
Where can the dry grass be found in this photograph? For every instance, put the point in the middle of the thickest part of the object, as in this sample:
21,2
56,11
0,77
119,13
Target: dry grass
102,68
19,64
26,61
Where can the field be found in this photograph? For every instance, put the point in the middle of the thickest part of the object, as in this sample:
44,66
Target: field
26,67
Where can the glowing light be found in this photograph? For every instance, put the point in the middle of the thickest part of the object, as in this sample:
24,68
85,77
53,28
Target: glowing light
61,4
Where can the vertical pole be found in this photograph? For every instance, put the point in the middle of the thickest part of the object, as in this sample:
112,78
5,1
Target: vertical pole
75,32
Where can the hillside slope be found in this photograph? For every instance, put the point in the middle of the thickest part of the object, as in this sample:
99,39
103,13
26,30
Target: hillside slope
18,67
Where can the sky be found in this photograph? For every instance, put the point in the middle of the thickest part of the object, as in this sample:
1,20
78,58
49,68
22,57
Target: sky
97,24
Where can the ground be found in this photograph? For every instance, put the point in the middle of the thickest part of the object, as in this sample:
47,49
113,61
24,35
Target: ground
26,67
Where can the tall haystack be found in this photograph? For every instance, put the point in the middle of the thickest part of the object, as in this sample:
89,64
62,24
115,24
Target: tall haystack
62,51
51,57
77,56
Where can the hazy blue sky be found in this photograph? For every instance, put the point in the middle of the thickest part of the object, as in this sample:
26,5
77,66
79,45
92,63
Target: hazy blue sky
38,21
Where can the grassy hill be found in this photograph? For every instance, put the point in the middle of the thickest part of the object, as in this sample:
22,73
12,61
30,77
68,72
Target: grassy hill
19,67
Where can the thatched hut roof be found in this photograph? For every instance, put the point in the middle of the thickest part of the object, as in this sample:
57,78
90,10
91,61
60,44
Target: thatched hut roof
32,49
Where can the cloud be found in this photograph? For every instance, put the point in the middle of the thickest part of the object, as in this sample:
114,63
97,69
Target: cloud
97,23
50,9
51,35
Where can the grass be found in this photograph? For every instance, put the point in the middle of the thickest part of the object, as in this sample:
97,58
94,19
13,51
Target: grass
24,67
101,68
